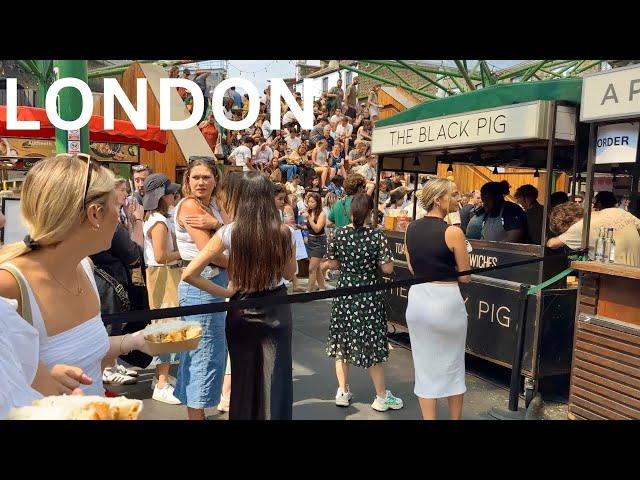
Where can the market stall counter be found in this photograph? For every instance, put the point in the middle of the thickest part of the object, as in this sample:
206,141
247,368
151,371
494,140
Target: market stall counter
520,126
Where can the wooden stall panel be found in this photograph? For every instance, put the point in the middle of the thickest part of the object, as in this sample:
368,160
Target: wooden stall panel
605,378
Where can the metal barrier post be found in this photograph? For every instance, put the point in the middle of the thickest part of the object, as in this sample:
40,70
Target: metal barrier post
514,388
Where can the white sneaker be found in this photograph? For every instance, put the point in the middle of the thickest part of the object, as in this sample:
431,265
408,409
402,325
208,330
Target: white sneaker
343,399
172,381
224,404
110,376
390,402
126,371
165,394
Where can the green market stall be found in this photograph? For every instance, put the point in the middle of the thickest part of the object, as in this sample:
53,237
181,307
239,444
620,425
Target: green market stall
524,125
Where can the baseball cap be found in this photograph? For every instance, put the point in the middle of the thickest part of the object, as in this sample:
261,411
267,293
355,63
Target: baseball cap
156,186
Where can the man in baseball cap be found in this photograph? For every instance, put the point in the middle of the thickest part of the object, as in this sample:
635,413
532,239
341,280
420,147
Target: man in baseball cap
156,186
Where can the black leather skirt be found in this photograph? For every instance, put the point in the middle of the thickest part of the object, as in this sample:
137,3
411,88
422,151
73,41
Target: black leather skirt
259,342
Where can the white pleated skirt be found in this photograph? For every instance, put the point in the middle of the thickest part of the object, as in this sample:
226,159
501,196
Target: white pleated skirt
437,322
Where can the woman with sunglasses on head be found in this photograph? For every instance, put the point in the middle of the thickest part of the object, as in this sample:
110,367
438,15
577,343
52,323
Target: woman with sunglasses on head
202,371
259,338
70,210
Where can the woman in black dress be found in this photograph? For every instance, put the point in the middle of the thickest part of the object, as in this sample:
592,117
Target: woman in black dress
259,338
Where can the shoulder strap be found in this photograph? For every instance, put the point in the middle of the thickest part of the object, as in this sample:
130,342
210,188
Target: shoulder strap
25,304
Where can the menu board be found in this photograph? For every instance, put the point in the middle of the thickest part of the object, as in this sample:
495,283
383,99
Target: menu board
28,149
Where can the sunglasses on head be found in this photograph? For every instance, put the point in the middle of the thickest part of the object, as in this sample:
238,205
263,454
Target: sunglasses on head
140,168
87,158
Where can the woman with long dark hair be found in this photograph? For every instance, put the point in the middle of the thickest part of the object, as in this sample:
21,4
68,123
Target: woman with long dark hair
259,338
316,221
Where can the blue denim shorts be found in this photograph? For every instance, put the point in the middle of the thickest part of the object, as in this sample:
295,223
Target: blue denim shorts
202,370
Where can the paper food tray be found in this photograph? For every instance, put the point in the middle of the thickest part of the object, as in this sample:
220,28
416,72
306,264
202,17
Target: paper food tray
158,348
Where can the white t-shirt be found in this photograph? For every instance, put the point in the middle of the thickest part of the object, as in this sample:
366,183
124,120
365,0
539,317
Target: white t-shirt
20,347
149,257
241,154
266,128
344,131
288,117
369,173
293,143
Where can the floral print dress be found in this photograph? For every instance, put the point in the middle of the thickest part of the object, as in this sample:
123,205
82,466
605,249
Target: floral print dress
358,328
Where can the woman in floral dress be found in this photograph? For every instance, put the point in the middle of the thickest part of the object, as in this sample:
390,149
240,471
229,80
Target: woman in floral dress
358,329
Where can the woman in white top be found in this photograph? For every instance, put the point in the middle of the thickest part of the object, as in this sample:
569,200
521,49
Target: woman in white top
202,371
70,209
24,376
160,255
259,339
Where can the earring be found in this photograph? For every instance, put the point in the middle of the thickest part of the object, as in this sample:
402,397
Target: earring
96,228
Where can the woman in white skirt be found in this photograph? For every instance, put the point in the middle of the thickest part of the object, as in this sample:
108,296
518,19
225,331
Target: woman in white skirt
436,314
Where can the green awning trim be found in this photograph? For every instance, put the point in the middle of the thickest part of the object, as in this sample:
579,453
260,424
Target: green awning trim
567,90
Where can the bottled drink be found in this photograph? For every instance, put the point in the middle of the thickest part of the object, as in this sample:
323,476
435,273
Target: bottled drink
599,250
612,246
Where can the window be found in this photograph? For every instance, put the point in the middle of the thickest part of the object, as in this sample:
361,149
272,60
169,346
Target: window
348,76
325,84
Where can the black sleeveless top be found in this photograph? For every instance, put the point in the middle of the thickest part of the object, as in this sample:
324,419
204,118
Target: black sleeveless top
428,250
311,230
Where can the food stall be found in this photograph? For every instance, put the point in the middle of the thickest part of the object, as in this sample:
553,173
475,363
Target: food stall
116,149
528,125
605,375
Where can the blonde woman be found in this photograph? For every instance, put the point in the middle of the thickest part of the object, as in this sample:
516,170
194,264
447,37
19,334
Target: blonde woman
436,314
70,210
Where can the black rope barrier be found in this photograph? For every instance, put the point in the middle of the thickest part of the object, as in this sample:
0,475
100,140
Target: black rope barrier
248,303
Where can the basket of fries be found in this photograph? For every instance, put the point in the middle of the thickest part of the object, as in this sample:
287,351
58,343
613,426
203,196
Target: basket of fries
173,336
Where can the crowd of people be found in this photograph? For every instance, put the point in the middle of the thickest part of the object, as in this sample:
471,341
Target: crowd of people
99,244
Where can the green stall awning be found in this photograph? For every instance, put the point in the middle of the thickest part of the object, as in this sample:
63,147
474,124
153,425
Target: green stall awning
567,90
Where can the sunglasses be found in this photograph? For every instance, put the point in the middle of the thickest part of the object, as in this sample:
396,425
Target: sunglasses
140,168
87,158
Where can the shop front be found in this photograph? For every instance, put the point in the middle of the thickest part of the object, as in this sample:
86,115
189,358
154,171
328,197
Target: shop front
605,376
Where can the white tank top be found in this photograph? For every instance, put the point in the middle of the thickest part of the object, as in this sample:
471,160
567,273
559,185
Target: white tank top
149,256
83,346
186,246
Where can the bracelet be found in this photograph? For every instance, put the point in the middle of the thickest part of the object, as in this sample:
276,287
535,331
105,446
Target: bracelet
122,342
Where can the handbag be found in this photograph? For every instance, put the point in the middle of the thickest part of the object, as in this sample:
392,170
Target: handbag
113,296
162,286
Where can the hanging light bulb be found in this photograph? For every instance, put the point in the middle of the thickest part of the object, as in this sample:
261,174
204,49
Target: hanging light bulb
495,170
536,174
450,168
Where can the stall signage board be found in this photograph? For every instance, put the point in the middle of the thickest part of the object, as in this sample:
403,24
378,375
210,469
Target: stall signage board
492,311
611,95
617,143
525,121
27,147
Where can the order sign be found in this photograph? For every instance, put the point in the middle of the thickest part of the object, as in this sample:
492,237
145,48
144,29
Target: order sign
617,143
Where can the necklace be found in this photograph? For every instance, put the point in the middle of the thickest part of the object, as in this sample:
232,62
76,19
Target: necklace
77,293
